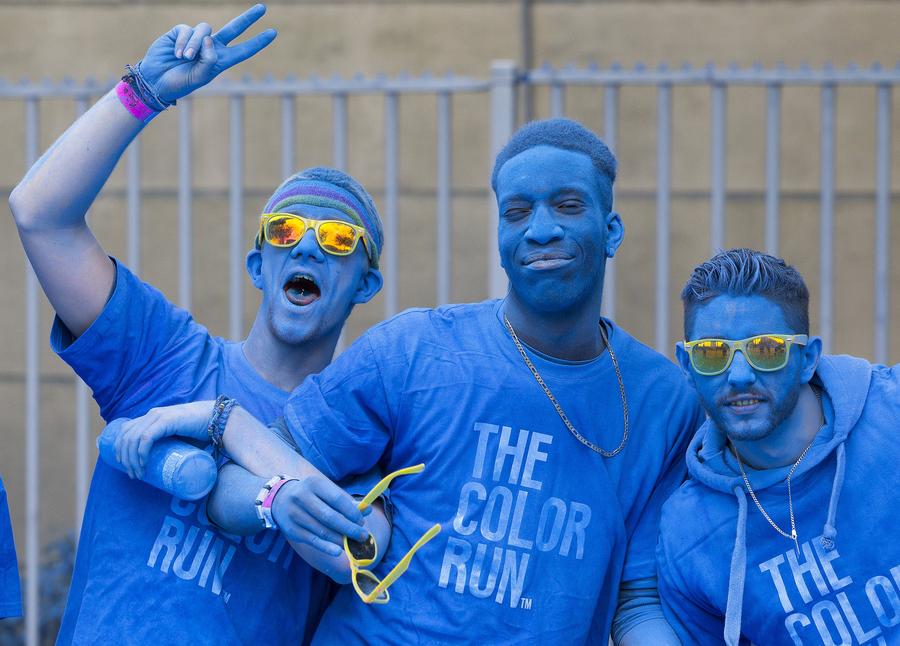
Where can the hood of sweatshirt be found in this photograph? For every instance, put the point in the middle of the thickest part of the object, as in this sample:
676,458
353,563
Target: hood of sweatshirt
844,381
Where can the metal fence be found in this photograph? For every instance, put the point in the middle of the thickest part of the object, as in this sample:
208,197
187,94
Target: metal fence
501,88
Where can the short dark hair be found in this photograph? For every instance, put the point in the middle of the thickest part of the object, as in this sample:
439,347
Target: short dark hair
745,272
559,133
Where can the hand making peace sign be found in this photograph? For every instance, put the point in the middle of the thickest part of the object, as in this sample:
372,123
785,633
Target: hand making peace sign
186,58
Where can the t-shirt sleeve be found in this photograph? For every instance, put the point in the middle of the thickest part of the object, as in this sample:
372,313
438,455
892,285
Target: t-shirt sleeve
692,621
140,348
341,418
686,417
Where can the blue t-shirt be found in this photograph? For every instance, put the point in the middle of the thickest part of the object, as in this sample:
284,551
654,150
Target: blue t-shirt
841,590
10,594
150,568
538,530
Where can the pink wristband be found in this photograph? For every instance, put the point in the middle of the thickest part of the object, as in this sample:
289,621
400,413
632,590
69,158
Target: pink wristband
132,102
267,503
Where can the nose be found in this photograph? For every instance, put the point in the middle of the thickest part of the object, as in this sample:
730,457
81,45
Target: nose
308,246
740,373
543,227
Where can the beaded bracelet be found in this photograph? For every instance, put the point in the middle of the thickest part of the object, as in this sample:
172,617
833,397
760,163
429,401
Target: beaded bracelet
215,428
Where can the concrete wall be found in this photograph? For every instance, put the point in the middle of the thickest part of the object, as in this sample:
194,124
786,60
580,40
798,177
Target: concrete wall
66,37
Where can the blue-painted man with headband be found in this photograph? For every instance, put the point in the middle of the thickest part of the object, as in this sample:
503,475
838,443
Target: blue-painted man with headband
786,532
150,568
550,436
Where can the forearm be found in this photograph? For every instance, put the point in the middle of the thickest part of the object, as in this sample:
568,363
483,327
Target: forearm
639,618
231,503
60,187
251,445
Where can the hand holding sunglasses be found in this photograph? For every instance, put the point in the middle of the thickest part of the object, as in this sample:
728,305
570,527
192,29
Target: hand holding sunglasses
362,554
764,352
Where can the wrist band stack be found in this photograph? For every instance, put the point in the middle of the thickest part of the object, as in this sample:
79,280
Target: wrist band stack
215,428
266,497
138,96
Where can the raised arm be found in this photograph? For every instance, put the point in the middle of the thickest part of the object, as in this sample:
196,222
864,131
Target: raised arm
50,203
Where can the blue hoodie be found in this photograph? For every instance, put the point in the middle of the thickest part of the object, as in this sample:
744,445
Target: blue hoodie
726,575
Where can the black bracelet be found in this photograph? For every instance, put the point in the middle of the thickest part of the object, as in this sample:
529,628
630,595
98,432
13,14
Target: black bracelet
219,419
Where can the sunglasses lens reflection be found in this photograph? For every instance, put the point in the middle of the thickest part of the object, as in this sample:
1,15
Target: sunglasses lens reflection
710,356
284,232
337,237
362,550
767,352
367,583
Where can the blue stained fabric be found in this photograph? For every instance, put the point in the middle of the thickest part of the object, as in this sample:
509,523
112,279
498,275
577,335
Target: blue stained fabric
150,568
538,530
10,593
833,591
639,607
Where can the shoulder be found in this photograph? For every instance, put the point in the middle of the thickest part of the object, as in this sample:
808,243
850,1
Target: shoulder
446,325
639,357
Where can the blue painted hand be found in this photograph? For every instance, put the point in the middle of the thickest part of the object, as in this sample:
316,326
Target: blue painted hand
186,58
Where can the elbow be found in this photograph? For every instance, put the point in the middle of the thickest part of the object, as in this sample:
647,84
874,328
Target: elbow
18,206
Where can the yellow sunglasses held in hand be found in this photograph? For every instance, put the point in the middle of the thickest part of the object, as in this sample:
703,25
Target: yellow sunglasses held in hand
362,554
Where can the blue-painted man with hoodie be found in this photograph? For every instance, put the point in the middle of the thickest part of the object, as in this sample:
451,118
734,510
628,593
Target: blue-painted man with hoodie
786,532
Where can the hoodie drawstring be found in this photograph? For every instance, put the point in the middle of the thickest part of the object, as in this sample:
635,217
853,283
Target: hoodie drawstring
734,606
830,531
736,576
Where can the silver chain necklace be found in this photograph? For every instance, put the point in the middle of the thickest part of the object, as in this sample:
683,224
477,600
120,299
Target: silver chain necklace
793,535
562,415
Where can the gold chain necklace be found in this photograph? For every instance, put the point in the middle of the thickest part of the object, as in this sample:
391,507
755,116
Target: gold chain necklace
793,535
562,415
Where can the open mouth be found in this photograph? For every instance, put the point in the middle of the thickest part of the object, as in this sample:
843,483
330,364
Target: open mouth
302,290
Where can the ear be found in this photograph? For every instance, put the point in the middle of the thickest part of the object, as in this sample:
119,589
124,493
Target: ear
369,284
684,361
254,267
615,231
812,351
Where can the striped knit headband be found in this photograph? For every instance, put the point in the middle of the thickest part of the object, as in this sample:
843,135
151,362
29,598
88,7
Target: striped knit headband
318,193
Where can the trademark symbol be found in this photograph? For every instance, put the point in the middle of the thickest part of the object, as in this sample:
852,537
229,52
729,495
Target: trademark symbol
525,603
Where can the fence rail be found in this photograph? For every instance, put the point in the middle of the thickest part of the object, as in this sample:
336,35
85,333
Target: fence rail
500,89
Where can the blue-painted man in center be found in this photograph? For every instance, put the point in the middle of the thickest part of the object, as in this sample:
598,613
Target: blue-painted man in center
787,531
550,436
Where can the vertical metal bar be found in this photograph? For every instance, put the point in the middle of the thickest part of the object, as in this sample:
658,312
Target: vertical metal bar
773,166
663,188
826,218
882,223
557,100
391,109
717,158
82,421
235,212
339,160
288,135
503,118
32,414
610,133
133,200
444,207
339,125
185,217
527,62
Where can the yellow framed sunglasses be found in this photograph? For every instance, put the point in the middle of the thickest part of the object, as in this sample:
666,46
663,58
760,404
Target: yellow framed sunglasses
361,554
336,237
764,352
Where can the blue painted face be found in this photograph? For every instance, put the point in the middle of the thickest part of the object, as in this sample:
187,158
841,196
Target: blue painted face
307,293
744,403
555,230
